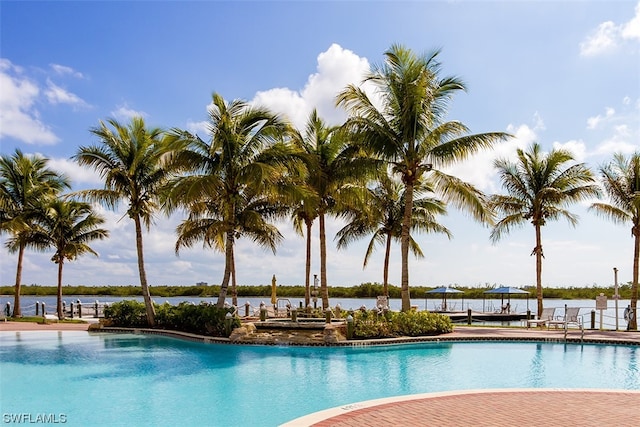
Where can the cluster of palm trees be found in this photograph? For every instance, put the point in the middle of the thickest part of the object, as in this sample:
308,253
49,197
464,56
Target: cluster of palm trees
382,171
35,215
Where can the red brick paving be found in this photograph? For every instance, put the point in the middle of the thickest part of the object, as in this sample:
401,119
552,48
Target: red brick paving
538,408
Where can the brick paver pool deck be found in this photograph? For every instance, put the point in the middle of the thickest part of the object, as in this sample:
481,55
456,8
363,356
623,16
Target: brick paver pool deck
495,408
491,408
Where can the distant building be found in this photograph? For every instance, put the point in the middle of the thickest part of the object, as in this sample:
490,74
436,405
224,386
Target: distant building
202,284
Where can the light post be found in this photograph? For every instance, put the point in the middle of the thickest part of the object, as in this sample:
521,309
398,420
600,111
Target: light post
615,293
315,291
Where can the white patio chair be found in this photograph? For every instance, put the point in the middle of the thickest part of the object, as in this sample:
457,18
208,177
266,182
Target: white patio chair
545,318
570,318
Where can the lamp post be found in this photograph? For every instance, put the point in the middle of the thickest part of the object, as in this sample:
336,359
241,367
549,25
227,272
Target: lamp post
615,294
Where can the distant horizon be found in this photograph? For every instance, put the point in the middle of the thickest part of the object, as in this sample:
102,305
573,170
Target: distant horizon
479,286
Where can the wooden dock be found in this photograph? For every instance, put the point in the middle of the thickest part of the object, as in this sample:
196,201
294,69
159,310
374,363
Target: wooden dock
480,316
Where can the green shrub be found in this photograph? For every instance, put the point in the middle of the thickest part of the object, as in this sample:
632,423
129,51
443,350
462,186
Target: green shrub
419,323
203,319
371,324
127,313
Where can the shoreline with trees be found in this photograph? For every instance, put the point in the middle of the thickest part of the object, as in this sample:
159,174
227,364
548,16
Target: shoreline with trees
364,290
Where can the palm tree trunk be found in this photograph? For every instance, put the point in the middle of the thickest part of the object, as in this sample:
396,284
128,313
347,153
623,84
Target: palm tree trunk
538,252
633,324
17,312
323,264
234,289
227,269
385,273
59,299
146,294
404,246
307,276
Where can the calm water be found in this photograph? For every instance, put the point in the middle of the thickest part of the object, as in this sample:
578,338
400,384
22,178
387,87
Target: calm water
114,380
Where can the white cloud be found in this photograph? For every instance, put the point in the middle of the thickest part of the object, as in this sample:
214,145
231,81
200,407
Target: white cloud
79,176
631,30
57,95
577,148
19,118
619,131
602,40
479,171
609,36
199,128
618,142
538,122
336,68
63,70
288,102
594,122
123,113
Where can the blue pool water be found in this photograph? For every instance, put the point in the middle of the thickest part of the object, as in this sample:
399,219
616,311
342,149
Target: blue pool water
136,380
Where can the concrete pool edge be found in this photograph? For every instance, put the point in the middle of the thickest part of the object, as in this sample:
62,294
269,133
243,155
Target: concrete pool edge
460,333
398,412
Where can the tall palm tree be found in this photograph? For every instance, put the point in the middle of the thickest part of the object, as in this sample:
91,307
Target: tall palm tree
303,216
333,169
539,188
621,181
233,182
130,161
381,216
26,184
68,226
409,132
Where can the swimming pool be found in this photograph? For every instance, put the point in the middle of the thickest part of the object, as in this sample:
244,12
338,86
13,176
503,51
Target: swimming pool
112,379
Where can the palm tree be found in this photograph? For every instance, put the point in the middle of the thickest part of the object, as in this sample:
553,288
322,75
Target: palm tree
26,184
68,227
303,215
130,161
621,181
333,169
381,215
409,132
306,210
539,187
231,184
207,223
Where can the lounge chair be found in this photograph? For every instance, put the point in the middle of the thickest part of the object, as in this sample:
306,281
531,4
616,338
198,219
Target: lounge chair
545,318
570,318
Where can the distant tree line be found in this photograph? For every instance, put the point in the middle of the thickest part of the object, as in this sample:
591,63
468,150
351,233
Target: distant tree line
364,290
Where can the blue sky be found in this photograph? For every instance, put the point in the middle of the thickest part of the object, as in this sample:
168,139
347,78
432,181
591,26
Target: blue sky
562,73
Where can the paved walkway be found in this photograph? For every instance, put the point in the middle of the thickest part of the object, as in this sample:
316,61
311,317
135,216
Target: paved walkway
491,408
33,326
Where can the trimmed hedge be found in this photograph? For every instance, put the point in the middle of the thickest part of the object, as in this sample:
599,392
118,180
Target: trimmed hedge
371,324
203,319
